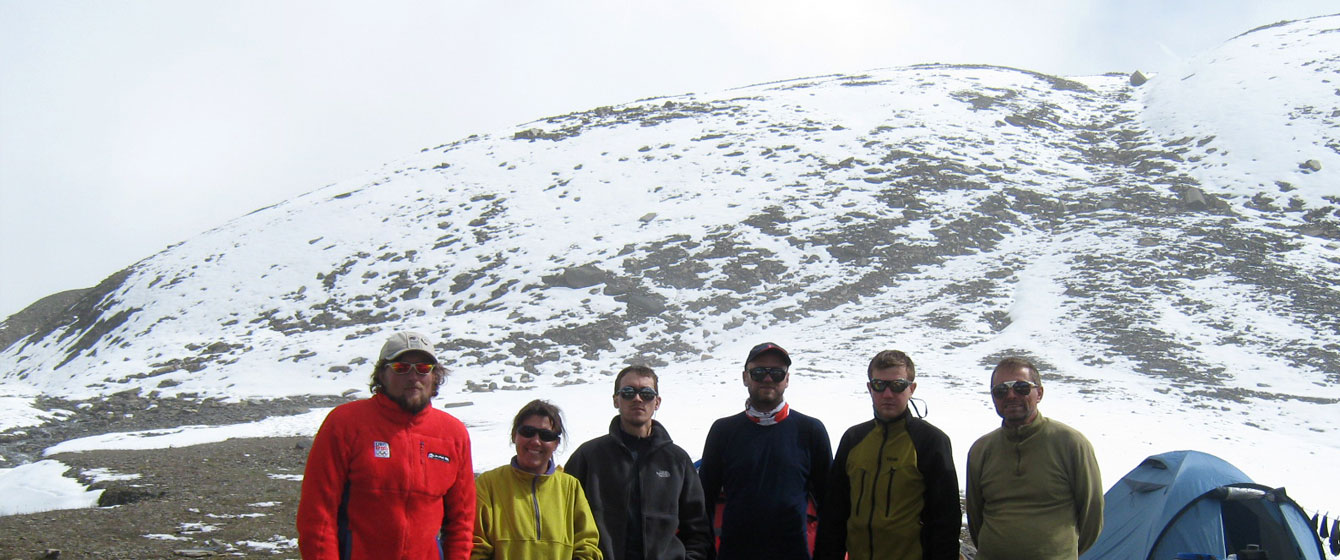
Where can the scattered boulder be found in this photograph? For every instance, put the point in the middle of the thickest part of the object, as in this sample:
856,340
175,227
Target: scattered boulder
1138,78
475,387
1310,165
618,286
528,134
1194,198
122,495
583,277
646,304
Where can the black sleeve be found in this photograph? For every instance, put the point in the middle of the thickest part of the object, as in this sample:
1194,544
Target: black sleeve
695,530
709,473
831,541
942,515
576,466
821,460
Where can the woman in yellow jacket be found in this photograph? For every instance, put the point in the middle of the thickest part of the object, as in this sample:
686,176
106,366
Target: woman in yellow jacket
530,509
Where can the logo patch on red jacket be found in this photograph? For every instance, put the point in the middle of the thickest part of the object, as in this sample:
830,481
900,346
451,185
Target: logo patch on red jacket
439,457
381,450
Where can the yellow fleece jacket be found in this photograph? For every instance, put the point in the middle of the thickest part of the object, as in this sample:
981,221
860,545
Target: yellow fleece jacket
525,516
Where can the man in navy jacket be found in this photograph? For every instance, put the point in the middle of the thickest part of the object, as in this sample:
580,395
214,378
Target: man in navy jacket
768,462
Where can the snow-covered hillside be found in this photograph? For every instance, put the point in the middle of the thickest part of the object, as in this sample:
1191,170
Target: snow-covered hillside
1168,253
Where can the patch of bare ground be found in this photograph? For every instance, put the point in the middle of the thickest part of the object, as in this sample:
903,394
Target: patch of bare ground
234,498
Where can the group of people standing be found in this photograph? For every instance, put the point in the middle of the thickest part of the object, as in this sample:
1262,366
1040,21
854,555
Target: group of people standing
392,477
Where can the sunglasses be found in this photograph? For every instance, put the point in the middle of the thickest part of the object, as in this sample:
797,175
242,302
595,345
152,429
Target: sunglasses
1021,388
629,393
879,385
759,373
403,368
531,431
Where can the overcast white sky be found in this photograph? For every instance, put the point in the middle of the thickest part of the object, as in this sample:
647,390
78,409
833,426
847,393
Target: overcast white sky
127,126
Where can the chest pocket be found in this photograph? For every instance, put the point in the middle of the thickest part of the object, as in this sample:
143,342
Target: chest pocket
898,486
438,461
885,482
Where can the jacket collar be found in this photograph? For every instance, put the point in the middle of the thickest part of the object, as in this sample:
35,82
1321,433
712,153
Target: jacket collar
900,418
659,436
522,473
392,411
1025,431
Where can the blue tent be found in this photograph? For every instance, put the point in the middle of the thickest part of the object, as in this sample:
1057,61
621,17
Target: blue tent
1188,501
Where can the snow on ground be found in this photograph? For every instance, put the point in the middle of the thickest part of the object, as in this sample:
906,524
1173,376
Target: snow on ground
108,475
17,411
40,486
276,544
182,436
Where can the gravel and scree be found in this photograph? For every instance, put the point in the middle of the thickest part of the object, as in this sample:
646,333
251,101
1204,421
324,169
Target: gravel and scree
235,498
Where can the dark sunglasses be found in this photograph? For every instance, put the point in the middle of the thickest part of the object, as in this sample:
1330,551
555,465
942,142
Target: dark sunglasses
405,367
629,393
531,431
1021,388
776,373
879,385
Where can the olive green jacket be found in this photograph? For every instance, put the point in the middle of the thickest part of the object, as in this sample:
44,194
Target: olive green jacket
1034,493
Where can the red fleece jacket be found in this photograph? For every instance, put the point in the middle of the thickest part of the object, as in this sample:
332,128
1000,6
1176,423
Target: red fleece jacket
382,483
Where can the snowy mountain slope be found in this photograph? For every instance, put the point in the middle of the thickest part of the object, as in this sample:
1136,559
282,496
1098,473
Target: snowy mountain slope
1163,249
697,215
1260,108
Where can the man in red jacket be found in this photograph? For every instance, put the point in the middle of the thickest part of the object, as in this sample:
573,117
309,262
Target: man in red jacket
390,476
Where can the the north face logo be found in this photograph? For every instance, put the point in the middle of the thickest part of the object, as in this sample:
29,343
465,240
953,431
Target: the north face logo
381,450
663,474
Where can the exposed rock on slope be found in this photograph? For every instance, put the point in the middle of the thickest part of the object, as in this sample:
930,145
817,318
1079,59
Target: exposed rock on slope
937,194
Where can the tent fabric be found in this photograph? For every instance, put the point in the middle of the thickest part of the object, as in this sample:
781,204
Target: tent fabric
1188,501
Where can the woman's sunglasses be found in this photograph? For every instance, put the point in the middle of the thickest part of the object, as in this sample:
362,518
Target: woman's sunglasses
531,431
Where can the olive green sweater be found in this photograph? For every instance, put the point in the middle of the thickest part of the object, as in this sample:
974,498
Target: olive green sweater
1033,493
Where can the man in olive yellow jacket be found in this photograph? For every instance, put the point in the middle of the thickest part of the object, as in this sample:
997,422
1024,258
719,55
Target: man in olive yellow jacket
892,491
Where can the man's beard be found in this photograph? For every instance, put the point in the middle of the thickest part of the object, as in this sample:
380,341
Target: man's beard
763,404
410,407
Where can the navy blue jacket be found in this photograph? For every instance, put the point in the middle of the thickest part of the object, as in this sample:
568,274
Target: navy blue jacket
766,474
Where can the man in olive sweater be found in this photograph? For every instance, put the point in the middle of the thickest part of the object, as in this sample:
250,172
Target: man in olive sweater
1034,491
